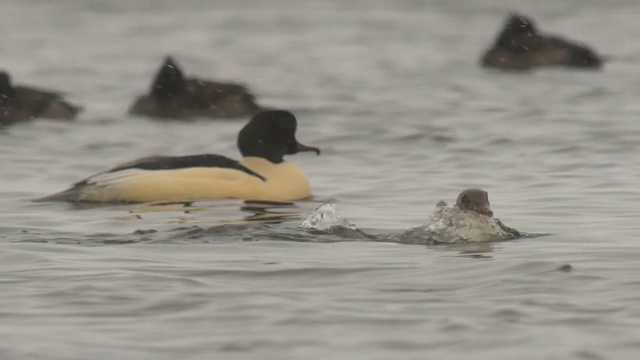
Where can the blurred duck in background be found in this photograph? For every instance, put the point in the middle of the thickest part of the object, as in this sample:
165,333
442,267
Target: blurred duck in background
19,103
520,46
174,96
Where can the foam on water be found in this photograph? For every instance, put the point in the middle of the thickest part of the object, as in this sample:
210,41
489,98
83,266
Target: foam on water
450,224
447,225
324,218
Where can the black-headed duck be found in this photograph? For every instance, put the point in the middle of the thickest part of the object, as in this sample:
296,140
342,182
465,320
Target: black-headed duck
520,46
174,96
20,103
263,174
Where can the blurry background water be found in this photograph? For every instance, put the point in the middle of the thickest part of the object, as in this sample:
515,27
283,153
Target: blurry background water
392,94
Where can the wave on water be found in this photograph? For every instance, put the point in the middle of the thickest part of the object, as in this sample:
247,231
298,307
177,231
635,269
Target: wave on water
280,222
324,218
452,225
447,225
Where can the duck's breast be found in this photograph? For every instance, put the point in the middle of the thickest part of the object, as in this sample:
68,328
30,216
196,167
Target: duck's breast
284,182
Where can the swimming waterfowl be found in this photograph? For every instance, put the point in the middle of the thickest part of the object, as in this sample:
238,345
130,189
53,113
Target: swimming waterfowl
469,220
174,96
20,103
263,174
519,46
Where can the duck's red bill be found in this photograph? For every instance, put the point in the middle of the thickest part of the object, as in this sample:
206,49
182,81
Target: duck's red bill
484,210
302,147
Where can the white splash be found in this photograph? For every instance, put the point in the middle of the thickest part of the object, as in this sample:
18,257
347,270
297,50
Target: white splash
453,225
324,218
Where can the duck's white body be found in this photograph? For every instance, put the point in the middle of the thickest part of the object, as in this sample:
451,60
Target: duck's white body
263,174
282,182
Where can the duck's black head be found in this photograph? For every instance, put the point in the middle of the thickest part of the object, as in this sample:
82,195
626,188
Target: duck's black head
6,89
516,25
271,135
169,81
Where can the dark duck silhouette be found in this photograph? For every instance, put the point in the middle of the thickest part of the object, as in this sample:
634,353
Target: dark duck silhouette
520,46
21,103
174,96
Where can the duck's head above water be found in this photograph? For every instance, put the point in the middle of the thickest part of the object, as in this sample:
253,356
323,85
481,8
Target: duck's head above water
476,200
271,135
516,25
6,89
169,81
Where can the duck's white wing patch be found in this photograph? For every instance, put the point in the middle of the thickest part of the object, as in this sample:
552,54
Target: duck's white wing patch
118,177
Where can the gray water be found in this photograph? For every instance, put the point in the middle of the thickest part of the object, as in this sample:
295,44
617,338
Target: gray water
392,94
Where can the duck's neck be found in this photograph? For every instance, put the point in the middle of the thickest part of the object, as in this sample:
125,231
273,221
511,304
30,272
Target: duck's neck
167,89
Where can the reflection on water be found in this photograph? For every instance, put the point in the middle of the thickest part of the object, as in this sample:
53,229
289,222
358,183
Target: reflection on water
270,212
477,250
